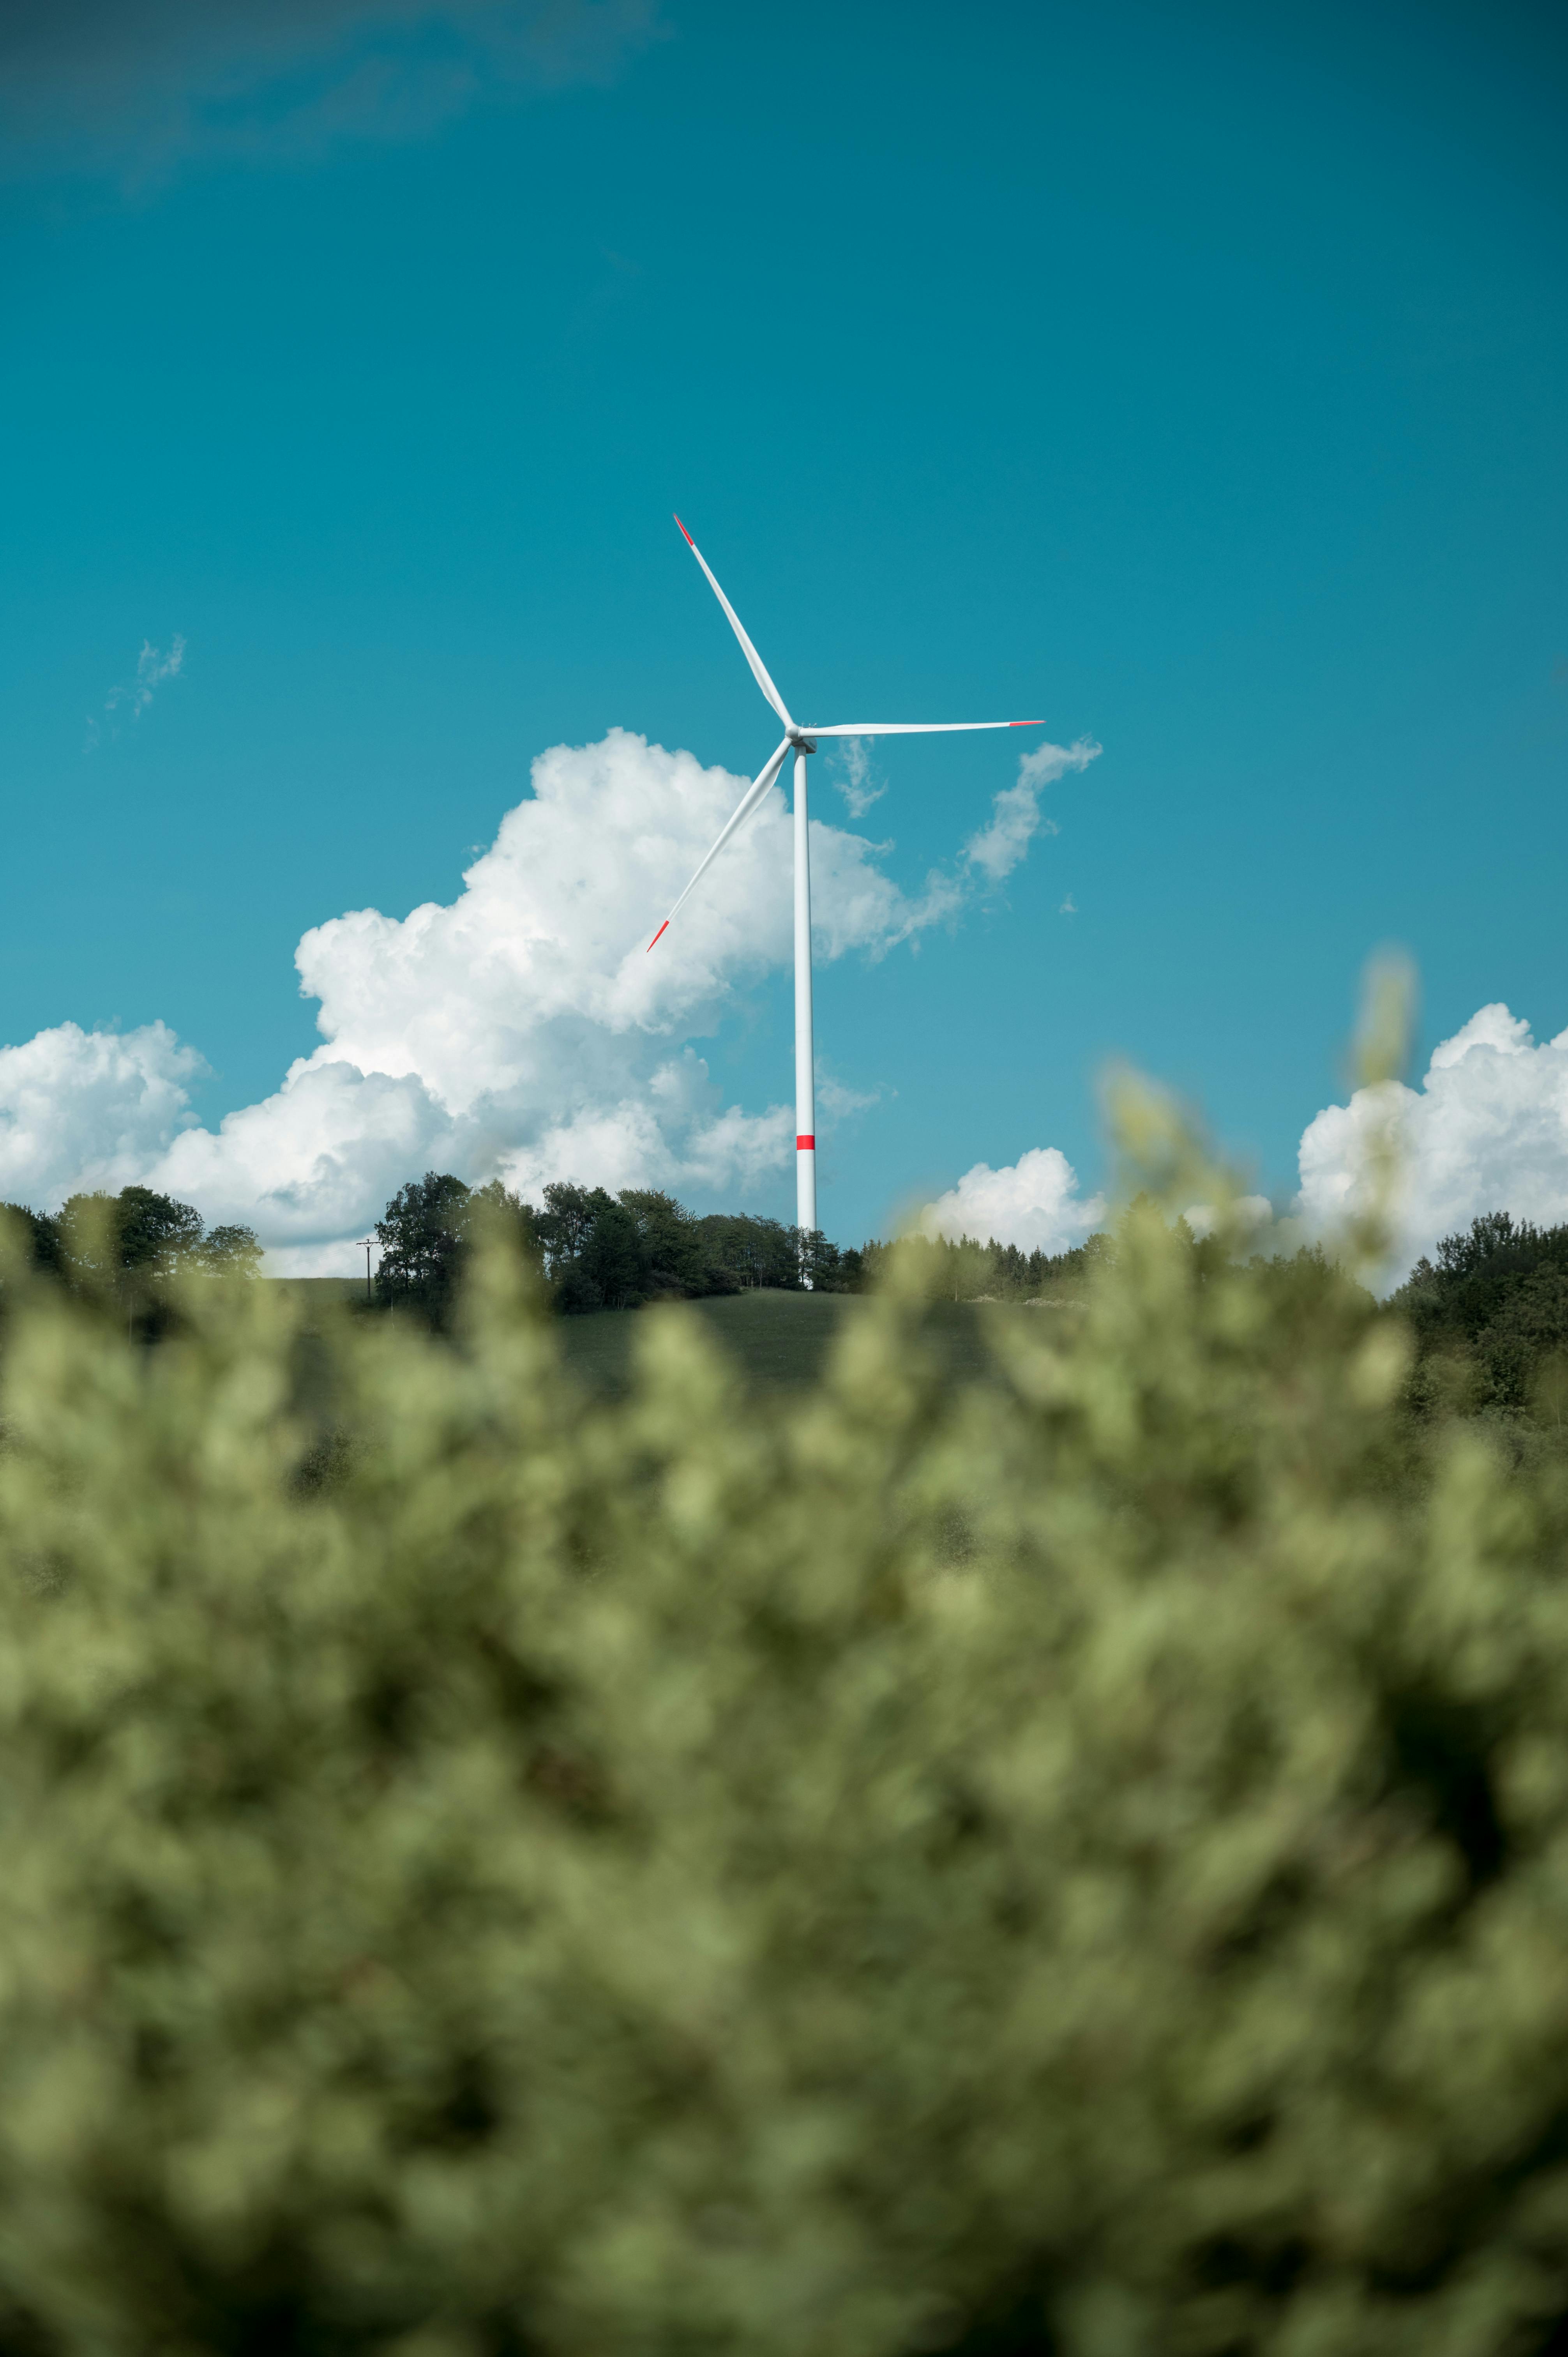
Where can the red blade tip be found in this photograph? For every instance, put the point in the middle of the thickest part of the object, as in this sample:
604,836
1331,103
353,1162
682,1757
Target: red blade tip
684,534
658,937
1012,723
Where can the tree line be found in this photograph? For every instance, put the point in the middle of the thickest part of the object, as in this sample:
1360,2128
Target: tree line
592,1249
130,1242
1488,1311
595,1249
1490,1316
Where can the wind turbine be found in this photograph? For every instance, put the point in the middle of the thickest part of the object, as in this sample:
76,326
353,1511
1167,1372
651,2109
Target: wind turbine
804,742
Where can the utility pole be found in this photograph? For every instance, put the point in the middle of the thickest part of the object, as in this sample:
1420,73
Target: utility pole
369,1243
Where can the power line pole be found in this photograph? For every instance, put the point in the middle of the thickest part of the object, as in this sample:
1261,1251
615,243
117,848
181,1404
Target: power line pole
369,1243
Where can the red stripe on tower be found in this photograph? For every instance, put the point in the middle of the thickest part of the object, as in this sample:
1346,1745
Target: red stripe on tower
803,1142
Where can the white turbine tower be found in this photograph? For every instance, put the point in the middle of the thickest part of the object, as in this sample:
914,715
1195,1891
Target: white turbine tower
803,741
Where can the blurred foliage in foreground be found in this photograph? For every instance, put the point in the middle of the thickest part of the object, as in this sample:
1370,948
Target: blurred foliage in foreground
1078,1864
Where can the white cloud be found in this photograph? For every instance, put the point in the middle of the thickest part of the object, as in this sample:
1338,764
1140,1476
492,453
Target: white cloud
524,1029
854,759
1032,1202
1016,814
1487,1131
1252,1215
154,668
85,1109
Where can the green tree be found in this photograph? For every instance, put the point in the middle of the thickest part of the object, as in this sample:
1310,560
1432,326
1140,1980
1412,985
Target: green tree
744,1252
421,1234
127,1248
670,1241
969,1268
1486,1315
42,1232
614,1258
567,1220
823,1265
155,1234
494,1213
1492,1234
231,1251
1526,1332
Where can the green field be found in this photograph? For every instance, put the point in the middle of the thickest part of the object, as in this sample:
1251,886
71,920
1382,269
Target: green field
312,1289
779,1340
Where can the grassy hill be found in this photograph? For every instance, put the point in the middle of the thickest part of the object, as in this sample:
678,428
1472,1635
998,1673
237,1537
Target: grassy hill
321,1288
780,1340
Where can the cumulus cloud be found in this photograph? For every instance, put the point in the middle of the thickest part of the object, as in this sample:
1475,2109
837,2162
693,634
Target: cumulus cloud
1034,1203
137,85
85,1109
1253,1215
522,1030
1016,816
1486,1131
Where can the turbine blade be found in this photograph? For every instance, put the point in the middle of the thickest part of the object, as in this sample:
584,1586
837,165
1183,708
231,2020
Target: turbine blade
758,668
741,812
912,727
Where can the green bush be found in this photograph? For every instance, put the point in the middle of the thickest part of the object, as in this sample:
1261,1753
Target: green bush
1077,1864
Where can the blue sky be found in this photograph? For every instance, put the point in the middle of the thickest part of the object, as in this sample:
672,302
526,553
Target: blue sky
1193,376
